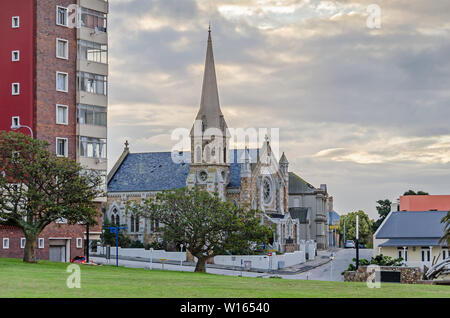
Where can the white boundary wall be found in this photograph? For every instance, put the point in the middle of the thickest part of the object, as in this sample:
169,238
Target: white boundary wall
262,261
146,254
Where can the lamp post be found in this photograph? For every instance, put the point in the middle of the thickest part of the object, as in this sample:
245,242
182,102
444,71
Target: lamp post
357,242
15,124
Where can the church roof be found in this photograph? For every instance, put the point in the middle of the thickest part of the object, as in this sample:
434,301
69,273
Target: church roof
210,112
297,185
156,171
151,171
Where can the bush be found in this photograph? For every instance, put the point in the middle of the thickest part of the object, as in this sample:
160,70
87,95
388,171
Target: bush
136,244
379,260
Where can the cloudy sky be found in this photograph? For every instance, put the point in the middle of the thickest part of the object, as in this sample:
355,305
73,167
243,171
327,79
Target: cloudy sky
364,110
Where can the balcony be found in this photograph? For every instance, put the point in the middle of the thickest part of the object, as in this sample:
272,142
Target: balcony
97,5
92,67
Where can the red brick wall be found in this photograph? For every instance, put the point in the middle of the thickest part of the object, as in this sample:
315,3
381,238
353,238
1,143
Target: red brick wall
51,231
46,96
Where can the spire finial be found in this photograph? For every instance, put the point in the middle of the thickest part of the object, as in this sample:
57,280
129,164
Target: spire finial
209,27
126,144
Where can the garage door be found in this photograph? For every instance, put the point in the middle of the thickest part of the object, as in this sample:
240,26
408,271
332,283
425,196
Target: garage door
58,253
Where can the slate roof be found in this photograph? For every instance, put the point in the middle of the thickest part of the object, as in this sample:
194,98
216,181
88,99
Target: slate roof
300,213
420,225
297,185
156,171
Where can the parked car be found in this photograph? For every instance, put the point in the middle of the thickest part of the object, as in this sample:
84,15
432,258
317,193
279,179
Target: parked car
362,245
349,244
78,259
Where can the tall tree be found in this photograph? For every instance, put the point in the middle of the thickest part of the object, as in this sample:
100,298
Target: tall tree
383,208
446,221
205,224
412,192
365,226
39,188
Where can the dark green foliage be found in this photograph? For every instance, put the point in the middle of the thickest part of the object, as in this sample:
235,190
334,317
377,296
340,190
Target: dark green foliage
365,227
39,188
383,208
411,192
379,260
205,224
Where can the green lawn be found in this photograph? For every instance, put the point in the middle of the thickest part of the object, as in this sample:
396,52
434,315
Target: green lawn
48,279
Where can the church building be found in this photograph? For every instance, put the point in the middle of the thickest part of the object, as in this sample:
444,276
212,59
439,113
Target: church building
249,178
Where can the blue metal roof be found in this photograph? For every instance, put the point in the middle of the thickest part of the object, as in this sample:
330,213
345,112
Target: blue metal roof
333,218
413,225
156,171
412,242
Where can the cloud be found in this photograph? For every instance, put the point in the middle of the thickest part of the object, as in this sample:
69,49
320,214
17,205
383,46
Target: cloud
363,110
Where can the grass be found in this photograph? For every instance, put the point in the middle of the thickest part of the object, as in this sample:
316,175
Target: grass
48,279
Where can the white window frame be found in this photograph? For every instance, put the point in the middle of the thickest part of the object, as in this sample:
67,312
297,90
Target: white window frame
66,57
66,84
23,241
41,242
18,89
79,242
67,16
5,243
66,147
13,53
66,117
15,25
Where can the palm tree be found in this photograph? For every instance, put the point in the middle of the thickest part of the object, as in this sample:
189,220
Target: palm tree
446,237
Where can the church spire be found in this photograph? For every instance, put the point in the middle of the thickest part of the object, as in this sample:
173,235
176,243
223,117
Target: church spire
210,113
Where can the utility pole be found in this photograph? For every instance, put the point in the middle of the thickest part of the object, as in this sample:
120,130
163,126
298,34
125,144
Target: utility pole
343,242
357,242
87,242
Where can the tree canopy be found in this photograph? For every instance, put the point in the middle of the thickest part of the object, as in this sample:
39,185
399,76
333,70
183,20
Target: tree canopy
383,208
365,226
203,223
39,188
412,192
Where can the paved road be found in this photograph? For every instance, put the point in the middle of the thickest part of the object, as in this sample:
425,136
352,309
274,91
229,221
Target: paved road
330,271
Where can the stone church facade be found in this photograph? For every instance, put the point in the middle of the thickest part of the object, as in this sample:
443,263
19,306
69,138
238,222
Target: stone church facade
249,178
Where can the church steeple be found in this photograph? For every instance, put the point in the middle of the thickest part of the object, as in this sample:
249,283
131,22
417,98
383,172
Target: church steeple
210,113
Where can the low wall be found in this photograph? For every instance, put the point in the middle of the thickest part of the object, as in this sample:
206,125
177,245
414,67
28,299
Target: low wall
409,275
146,254
263,262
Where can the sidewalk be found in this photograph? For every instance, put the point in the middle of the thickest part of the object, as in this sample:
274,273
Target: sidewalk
322,258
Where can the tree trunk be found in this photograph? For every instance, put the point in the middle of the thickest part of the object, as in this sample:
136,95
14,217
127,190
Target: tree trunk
200,267
29,255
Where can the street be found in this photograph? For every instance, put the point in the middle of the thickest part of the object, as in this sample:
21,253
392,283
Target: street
329,272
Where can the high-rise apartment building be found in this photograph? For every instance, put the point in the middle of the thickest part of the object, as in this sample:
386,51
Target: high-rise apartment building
53,80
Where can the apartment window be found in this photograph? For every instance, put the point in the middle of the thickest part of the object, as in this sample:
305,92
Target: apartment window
15,56
15,22
91,115
22,242
62,49
62,114
92,83
40,243
92,147
93,19
62,82
15,89
61,147
5,243
79,242
61,16
93,52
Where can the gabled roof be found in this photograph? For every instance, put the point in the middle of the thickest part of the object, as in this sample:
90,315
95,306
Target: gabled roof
152,171
300,213
298,186
413,225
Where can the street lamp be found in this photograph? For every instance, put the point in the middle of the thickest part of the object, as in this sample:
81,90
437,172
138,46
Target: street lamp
15,124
